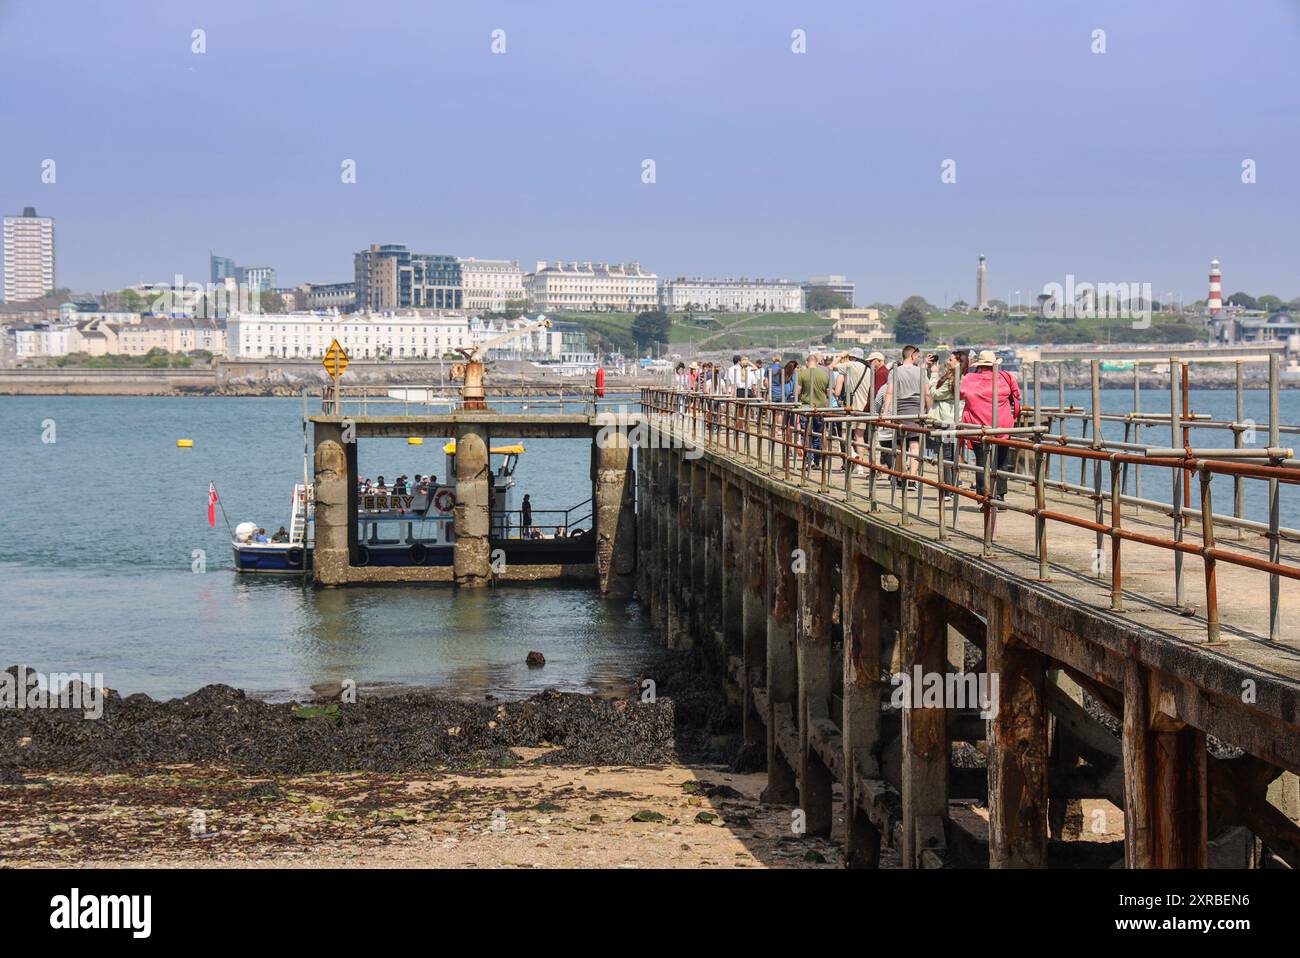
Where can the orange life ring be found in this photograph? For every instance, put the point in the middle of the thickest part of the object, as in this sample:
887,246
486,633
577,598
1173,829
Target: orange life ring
444,500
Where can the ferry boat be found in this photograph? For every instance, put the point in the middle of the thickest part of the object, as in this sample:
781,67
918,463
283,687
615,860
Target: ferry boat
417,528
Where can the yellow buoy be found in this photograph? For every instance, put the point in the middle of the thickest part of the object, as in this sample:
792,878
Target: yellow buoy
185,443
415,440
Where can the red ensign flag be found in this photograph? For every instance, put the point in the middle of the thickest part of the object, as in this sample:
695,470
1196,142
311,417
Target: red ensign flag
212,505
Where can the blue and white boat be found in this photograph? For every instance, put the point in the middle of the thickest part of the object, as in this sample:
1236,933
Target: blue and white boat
417,528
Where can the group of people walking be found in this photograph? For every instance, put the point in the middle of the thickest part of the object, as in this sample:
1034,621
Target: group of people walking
925,392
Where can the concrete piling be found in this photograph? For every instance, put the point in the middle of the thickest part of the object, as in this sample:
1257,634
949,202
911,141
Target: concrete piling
335,515
754,563
816,588
925,748
614,513
472,550
1017,739
782,662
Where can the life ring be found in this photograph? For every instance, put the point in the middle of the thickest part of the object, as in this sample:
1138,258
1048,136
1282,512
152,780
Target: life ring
363,555
418,553
444,500
295,556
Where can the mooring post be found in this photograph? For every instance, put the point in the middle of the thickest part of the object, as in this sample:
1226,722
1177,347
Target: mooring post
334,490
614,514
1165,821
752,566
1017,740
923,637
471,553
813,644
782,662
732,571
860,615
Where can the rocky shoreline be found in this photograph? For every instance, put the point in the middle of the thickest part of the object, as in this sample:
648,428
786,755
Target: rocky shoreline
407,732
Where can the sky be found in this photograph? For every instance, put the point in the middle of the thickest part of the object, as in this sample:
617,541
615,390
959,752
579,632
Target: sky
1117,166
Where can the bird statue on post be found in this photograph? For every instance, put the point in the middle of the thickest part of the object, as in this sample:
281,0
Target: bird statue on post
471,392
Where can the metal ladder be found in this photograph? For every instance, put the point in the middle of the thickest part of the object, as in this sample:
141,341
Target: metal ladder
302,503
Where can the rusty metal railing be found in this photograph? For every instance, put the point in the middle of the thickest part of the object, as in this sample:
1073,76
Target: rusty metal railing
804,446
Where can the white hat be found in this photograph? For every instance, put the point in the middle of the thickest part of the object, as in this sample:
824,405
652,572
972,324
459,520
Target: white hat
876,354
856,352
987,357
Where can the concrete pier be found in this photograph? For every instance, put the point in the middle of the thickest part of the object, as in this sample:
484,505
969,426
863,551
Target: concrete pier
337,438
967,706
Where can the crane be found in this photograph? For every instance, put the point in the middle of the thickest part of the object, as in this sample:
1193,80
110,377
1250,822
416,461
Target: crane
471,370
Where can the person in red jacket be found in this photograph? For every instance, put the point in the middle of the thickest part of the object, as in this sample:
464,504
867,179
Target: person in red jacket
977,397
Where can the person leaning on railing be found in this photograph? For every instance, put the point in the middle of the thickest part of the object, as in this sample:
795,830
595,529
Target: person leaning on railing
812,388
907,396
977,397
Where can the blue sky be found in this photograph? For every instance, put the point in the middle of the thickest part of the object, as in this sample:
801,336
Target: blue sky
1122,166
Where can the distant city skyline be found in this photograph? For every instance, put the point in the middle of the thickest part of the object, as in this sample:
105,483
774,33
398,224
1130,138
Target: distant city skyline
763,161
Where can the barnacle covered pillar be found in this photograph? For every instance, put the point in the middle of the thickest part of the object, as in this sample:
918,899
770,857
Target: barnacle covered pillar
335,508
614,512
471,553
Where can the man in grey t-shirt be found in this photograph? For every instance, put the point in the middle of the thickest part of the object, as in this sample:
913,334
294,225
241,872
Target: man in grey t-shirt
907,393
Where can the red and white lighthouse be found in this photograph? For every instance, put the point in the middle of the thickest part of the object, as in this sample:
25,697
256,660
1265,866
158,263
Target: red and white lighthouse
1216,288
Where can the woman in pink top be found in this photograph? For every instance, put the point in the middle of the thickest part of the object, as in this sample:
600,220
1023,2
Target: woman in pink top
977,401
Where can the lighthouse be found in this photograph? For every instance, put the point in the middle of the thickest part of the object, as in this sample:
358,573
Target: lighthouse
981,285
1216,288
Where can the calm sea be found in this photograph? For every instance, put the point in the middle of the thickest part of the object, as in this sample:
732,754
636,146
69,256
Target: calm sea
96,569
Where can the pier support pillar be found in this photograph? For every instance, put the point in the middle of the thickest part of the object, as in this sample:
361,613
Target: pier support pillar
924,653
697,531
664,521
471,553
752,566
614,512
816,607
1017,760
679,629
782,662
861,614
732,569
335,509
644,543
711,597
1165,819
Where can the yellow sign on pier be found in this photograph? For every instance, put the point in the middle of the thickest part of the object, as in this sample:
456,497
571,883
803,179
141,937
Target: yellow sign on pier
336,360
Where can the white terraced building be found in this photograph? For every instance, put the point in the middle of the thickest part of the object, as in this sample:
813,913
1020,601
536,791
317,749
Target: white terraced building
491,284
362,335
591,286
738,295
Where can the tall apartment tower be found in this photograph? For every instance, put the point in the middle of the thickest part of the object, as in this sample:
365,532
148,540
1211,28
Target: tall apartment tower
29,256
981,285
1216,288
